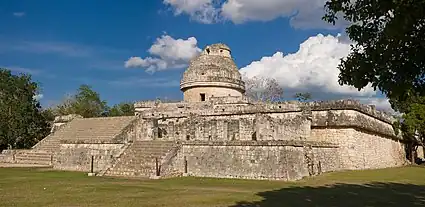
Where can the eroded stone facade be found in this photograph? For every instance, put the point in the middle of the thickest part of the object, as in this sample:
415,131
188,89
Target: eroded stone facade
286,141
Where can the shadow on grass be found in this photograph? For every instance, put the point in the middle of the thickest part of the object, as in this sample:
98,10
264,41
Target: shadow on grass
347,195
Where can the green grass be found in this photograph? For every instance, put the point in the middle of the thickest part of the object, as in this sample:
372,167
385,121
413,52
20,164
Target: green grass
42,187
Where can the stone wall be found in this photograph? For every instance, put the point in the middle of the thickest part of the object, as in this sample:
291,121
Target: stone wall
194,94
226,128
361,149
77,157
277,160
7,156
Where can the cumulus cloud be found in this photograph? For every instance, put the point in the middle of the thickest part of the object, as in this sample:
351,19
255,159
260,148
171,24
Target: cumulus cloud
302,13
312,68
168,53
199,10
381,103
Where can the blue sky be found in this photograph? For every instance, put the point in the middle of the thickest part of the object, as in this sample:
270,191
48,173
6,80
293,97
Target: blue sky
67,43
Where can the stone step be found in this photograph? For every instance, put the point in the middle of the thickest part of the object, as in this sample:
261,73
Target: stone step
23,157
129,171
139,158
33,161
34,155
147,154
153,144
134,168
129,174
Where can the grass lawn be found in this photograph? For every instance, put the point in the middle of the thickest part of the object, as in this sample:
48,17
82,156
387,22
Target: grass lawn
40,187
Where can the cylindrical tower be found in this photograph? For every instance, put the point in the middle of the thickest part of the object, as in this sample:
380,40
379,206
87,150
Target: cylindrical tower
212,73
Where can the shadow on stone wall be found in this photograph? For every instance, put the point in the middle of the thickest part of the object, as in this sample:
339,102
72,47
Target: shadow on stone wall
347,195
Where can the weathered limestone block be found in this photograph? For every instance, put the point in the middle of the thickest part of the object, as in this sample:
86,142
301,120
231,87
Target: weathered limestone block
359,149
282,160
351,118
77,157
269,128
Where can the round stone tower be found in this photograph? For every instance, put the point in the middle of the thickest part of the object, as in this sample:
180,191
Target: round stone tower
212,74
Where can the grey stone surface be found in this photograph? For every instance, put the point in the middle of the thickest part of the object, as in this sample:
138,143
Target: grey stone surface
78,157
277,162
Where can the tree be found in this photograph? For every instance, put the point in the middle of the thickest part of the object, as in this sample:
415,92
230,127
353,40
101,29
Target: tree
263,89
122,109
86,102
411,124
388,50
22,121
302,96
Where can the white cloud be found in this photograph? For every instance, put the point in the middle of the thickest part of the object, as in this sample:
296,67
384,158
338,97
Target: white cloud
381,103
312,68
199,10
302,13
18,14
170,53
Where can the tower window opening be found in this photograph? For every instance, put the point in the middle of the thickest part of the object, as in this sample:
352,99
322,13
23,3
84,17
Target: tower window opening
202,96
208,50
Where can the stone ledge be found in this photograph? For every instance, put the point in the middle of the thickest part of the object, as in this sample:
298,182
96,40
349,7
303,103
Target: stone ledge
260,143
220,109
91,142
349,104
341,119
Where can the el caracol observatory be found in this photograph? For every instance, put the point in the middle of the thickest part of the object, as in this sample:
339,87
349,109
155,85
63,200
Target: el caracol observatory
218,132
212,74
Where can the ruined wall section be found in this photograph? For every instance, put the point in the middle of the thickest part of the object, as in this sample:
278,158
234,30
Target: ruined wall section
76,154
77,157
227,128
360,149
242,120
352,119
274,160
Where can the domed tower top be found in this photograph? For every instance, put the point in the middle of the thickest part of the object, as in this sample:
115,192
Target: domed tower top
212,73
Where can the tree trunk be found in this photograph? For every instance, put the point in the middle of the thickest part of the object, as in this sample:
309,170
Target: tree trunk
412,153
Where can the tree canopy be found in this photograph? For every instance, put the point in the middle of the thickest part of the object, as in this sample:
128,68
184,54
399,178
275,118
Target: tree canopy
388,54
85,102
22,120
122,109
259,88
389,45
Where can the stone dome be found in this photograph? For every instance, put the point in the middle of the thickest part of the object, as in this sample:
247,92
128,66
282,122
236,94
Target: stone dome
213,72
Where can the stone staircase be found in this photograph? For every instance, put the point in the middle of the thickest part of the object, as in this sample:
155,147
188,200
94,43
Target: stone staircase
34,157
139,160
92,130
50,143
27,157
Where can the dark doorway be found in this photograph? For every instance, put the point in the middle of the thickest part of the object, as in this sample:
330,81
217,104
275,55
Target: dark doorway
202,96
